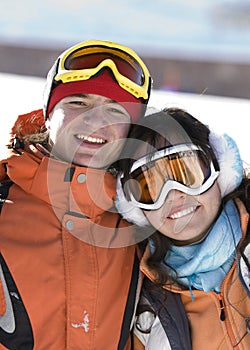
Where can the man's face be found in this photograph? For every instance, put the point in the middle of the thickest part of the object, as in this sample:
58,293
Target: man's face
88,130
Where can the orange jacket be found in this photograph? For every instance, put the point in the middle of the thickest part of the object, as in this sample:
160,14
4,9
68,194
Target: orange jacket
217,321
68,253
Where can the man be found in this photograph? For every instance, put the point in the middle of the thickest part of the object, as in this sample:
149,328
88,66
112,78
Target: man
68,268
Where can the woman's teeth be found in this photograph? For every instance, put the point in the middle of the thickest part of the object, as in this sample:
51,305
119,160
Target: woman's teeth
181,213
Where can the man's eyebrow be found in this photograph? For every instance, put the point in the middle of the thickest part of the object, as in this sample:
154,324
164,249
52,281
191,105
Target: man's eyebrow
81,95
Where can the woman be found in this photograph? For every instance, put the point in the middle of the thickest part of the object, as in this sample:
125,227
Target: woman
188,185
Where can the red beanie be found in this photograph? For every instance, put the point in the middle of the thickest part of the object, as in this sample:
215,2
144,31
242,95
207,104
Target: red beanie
103,85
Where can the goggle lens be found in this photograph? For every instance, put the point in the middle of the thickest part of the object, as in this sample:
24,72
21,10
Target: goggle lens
89,58
189,168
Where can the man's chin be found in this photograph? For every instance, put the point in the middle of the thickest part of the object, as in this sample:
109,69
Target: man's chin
91,163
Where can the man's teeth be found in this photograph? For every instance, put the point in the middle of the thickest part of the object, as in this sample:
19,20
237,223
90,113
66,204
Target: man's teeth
181,213
90,139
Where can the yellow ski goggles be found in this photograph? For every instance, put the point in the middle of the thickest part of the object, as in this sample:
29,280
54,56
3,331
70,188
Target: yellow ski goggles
86,59
185,168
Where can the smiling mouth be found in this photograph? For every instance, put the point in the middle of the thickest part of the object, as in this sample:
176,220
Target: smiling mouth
90,139
182,213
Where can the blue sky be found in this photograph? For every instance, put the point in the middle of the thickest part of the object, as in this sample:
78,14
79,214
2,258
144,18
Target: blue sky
207,29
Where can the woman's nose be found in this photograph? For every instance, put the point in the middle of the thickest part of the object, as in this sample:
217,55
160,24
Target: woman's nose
175,195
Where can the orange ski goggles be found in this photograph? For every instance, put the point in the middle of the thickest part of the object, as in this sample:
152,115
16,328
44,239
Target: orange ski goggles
183,167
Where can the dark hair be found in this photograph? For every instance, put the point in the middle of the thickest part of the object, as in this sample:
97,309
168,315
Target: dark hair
168,127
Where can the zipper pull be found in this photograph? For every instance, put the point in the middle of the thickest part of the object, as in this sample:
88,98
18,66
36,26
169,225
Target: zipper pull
222,311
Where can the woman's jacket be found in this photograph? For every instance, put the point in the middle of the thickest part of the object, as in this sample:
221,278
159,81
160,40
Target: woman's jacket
67,266
210,321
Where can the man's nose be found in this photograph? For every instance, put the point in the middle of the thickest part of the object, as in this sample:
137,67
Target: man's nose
95,116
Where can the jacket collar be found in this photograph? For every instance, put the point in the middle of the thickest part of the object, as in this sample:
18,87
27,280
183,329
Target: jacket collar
62,185
244,273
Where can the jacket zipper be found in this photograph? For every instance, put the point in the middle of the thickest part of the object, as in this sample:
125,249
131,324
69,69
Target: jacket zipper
222,310
225,319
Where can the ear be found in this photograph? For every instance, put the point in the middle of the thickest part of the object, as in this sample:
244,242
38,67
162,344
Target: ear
230,163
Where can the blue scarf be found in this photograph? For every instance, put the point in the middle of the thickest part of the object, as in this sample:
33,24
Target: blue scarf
204,265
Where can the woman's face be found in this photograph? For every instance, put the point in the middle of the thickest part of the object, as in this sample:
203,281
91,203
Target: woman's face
186,219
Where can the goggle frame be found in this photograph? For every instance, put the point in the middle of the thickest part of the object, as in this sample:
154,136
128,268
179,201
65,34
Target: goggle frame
64,75
171,184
